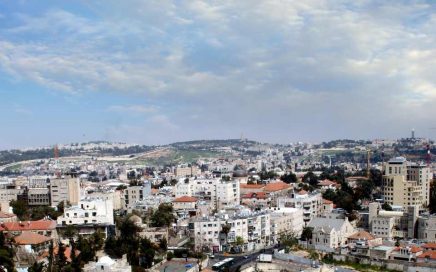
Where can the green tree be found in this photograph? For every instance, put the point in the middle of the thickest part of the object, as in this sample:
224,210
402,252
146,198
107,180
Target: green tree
225,229
87,251
97,240
310,178
329,194
61,260
432,205
239,241
288,239
113,247
163,244
20,208
289,178
70,231
163,216
307,234
147,253
75,260
36,267
386,207
6,254
50,257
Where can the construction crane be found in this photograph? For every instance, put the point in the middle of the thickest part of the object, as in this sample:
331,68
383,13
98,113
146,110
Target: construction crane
56,152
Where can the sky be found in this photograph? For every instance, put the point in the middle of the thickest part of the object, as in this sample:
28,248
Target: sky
159,71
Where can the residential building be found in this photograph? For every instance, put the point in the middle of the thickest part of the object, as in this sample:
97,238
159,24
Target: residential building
330,233
46,227
406,184
427,228
134,194
286,221
390,224
221,193
37,196
186,171
252,227
66,190
310,203
185,203
90,214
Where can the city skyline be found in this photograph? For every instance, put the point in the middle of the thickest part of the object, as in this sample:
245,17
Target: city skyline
156,72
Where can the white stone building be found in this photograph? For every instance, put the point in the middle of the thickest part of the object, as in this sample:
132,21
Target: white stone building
310,203
220,193
286,221
328,234
88,214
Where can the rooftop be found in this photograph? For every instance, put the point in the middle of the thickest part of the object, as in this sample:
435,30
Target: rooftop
362,235
185,199
276,186
30,238
44,224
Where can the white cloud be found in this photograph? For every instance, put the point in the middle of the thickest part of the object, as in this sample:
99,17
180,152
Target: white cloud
133,109
239,61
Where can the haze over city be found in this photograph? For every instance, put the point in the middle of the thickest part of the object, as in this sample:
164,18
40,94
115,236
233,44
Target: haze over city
155,72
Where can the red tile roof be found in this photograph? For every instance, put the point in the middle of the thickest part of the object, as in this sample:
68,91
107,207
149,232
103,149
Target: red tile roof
259,195
185,199
429,246
362,235
431,254
415,249
30,238
251,186
276,186
29,225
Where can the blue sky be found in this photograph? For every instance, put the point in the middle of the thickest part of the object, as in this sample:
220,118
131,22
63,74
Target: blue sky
155,72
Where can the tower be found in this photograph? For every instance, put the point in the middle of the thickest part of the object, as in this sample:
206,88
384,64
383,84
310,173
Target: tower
56,152
413,133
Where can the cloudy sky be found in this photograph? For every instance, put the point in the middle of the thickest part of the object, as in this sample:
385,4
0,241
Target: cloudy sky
158,71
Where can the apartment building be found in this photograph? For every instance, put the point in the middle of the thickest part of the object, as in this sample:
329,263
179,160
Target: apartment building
427,228
67,190
310,203
187,171
89,215
406,184
286,221
134,194
391,224
253,228
37,196
219,192
7,195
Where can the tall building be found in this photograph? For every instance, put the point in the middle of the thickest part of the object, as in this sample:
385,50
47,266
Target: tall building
220,193
406,184
67,190
135,194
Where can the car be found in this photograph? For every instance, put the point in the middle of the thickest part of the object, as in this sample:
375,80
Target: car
246,257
